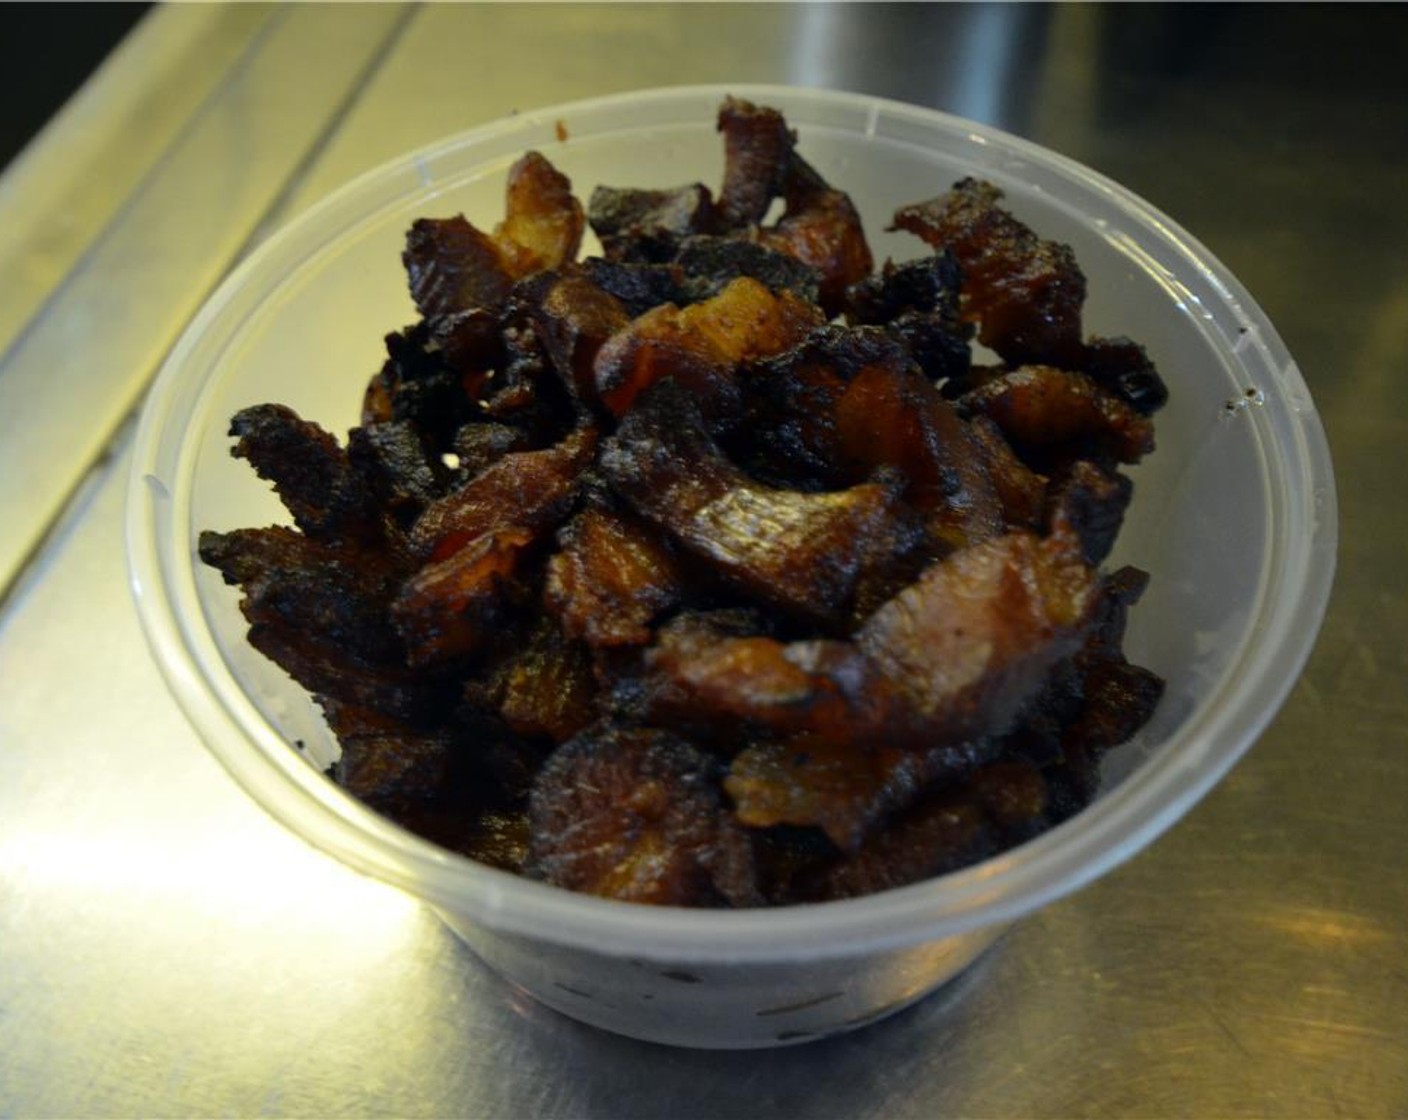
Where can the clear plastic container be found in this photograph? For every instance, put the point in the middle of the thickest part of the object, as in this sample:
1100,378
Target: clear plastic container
1234,515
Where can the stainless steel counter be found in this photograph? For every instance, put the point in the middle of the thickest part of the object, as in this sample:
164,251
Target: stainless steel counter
166,949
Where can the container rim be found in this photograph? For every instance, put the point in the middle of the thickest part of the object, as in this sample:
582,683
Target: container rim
1284,620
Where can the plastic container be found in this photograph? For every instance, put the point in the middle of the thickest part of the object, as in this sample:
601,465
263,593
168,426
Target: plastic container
1234,515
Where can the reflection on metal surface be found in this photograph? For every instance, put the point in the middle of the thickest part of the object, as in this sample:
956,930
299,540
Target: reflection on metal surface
1248,965
77,368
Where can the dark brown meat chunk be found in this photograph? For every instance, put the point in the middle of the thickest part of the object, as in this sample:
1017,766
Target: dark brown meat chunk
970,643
453,267
388,764
292,582
1092,501
321,612
801,553
648,225
843,788
454,606
573,321
399,466
710,264
891,416
918,304
478,446
757,152
821,228
637,815
1124,368
713,677
418,385
701,345
1026,294
639,287
544,688
940,834
1051,416
1119,700
1020,490
610,578
930,284
328,499
526,490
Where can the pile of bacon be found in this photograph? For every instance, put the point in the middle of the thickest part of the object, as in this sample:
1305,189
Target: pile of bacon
712,571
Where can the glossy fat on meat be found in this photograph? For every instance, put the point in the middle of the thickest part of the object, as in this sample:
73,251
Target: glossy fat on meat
527,490
707,675
700,346
968,644
455,267
801,553
543,221
1051,414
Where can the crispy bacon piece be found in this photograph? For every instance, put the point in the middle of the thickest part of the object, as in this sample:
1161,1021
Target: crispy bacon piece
329,500
757,151
454,267
610,578
386,762
843,788
1124,368
701,345
526,490
545,688
419,385
399,466
648,225
891,416
543,221
1026,294
940,834
1092,502
970,643
1021,491
918,304
710,264
1050,415
930,284
639,287
477,540
821,228
320,612
637,815
452,607
707,674
573,321
480,445
801,553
